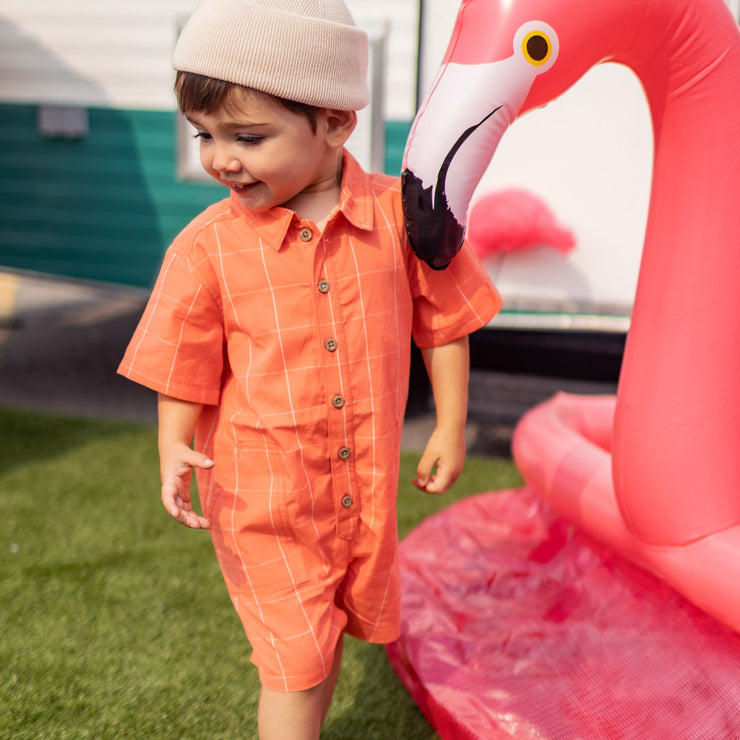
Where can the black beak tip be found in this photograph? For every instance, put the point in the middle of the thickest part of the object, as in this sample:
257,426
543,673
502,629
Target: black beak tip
433,231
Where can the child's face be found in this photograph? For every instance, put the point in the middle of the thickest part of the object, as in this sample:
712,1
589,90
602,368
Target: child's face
267,154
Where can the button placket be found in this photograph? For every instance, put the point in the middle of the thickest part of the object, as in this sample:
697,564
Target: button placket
339,417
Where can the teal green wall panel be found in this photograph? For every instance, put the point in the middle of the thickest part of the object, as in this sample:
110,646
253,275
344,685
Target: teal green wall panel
396,133
104,207
92,208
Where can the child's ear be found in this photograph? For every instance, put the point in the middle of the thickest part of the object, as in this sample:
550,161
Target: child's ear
339,125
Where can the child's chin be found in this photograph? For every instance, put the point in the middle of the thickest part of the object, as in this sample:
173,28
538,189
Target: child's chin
252,201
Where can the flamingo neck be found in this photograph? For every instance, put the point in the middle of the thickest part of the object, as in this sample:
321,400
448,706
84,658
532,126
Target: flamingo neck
678,392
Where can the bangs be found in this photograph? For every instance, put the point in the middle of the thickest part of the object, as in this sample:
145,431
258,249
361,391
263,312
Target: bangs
200,93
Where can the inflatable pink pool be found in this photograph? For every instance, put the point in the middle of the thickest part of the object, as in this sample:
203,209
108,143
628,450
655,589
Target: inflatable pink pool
516,626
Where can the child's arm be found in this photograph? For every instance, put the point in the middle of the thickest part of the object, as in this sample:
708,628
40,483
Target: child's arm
448,369
177,421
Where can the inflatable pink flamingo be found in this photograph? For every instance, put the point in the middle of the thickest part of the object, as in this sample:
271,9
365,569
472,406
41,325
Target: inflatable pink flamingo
654,474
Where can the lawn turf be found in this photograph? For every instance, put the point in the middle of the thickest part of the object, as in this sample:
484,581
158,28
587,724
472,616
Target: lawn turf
115,620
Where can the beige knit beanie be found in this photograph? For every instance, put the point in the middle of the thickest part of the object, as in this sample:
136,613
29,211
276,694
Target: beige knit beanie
309,51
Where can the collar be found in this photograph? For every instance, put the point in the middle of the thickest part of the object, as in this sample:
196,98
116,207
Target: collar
354,204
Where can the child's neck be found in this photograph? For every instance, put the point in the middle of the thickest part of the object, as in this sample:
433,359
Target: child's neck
319,204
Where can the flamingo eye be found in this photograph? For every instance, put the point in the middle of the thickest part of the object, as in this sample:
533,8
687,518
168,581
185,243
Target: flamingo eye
538,43
536,47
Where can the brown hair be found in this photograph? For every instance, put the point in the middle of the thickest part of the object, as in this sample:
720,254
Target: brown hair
206,94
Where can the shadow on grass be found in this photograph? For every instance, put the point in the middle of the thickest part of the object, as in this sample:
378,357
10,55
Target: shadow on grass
371,702
27,437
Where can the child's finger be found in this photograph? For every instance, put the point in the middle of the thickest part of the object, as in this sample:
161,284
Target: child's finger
199,460
424,470
193,520
439,483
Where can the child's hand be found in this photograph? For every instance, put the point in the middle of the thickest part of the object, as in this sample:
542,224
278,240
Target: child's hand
442,462
177,468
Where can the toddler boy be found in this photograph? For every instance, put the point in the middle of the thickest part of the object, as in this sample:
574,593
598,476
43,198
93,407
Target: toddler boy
278,338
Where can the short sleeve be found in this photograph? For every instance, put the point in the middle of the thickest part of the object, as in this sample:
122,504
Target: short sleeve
450,303
177,348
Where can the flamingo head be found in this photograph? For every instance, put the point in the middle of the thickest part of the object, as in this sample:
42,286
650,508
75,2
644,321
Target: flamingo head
504,57
492,61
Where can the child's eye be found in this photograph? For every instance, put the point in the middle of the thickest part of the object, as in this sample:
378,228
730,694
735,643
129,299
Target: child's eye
249,139
203,135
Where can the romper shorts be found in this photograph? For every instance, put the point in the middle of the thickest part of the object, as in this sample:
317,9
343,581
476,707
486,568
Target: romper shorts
296,584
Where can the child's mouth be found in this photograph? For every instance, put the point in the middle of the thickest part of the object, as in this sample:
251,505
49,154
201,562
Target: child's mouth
239,187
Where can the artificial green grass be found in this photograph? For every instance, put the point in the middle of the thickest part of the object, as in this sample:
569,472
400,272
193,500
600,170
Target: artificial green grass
115,620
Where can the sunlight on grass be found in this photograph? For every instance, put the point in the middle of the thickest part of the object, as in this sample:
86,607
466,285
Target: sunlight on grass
116,622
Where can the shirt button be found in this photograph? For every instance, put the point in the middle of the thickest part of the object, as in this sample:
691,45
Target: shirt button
306,234
337,401
331,345
346,501
344,453
323,286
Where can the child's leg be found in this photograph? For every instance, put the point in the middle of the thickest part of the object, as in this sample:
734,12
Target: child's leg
327,693
298,715
295,715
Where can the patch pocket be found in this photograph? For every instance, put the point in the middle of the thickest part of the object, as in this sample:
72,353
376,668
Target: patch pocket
255,545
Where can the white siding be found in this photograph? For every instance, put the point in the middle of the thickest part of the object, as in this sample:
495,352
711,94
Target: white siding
402,17
117,52
112,53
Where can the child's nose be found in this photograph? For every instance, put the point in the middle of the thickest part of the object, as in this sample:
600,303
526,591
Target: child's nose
225,161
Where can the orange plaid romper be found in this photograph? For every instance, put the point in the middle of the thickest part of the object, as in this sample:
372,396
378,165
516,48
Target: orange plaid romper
298,344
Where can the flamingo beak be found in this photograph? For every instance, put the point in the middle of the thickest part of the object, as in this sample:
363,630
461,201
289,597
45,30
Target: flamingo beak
432,229
451,142
435,233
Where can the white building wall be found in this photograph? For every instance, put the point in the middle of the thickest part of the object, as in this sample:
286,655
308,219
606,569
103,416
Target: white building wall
117,52
112,53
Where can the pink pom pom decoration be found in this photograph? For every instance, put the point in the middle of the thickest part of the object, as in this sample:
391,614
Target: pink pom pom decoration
512,220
